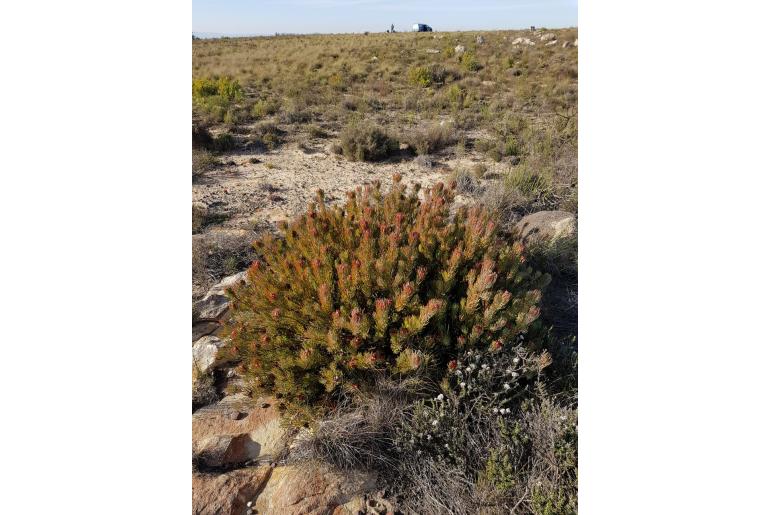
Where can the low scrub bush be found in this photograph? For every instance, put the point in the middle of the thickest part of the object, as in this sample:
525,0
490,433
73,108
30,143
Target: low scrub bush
467,183
223,142
217,254
222,87
202,161
360,431
263,108
215,96
456,96
365,142
494,436
433,139
317,132
387,284
434,74
268,134
519,192
532,186
469,62
296,114
420,76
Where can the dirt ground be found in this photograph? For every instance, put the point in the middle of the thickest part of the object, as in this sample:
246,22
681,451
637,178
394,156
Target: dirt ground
251,191
283,182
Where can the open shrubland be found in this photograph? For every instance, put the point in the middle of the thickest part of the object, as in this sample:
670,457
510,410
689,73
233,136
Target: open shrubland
411,331
505,103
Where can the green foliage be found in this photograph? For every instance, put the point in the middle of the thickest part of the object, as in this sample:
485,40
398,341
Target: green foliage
263,108
553,502
529,184
215,96
420,76
366,142
222,87
456,96
469,62
386,283
511,147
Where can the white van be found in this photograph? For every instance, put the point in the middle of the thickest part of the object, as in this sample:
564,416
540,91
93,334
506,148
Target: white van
421,27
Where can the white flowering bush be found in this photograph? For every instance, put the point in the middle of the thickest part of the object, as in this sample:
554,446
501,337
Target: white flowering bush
481,386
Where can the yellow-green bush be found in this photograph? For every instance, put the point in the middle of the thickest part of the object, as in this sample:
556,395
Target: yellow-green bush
386,283
469,62
215,97
420,76
223,87
263,108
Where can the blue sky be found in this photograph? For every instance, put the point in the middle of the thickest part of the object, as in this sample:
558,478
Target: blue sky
248,17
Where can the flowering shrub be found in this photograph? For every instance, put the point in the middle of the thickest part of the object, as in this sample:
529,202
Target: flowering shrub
486,384
387,283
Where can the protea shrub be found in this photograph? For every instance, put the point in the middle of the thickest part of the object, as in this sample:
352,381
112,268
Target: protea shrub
385,284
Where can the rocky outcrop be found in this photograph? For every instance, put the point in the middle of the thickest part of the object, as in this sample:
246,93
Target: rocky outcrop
227,493
214,305
238,430
459,49
522,41
204,353
547,226
241,432
550,36
552,42
314,490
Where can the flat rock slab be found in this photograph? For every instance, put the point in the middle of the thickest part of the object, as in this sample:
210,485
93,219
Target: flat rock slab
228,493
238,429
313,490
547,226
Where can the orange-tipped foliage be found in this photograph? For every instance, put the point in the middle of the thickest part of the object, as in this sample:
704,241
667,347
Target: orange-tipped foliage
386,283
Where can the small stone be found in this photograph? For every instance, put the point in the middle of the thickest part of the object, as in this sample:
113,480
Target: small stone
265,405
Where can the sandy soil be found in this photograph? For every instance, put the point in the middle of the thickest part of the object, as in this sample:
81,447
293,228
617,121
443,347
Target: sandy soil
257,195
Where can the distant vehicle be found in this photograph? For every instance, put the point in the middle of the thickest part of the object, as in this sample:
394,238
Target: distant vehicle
421,27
